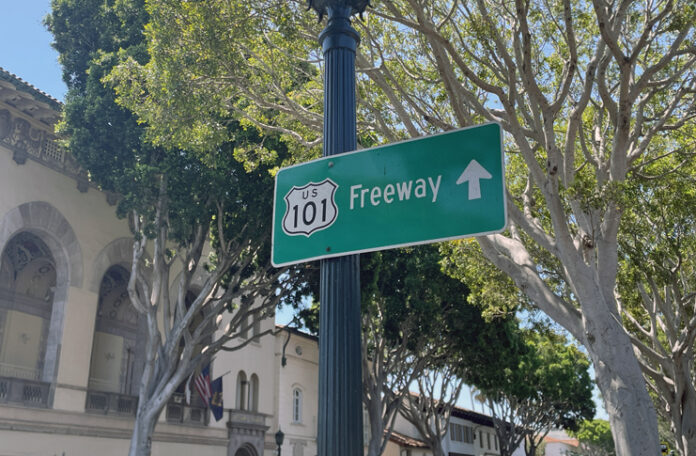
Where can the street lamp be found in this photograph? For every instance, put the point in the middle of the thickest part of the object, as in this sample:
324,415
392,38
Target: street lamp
279,436
322,6
340,379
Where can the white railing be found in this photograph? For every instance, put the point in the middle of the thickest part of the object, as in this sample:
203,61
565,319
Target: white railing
17,371
25,392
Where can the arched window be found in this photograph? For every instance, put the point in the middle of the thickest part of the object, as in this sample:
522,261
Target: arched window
254,393
296,405
27,286
114,350
242,391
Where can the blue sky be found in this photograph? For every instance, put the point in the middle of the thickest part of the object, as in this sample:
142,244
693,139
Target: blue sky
26,45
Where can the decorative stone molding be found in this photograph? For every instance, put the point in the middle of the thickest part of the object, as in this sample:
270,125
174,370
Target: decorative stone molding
82,182
111,198
48,223
118,252
26,141
19,157
247,432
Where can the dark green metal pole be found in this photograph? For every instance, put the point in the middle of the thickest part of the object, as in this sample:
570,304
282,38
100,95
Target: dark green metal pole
340,381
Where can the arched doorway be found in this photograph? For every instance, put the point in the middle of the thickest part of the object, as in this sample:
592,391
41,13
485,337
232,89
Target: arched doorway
246,450
113,364
24,225
27,287
27,290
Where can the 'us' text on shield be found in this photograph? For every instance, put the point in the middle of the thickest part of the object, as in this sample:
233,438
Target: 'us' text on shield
310,208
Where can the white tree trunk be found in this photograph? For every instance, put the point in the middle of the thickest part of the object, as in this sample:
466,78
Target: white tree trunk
598,327
682,408
619,378
143,428
377,428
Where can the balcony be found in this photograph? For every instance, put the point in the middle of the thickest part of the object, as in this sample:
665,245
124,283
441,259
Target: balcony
111,403
29,393
178,411
246,418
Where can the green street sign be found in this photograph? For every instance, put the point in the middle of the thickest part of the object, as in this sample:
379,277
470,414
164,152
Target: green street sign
431,189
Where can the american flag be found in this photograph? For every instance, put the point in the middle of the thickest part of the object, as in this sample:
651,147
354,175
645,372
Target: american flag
202,384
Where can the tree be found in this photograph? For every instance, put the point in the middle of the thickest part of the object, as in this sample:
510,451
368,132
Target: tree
582,99
399,321
400,318
194,217
594,438
656,285
430,410
411,332
549,387
418,329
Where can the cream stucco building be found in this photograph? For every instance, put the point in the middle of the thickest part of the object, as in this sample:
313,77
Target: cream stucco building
69,337
69,358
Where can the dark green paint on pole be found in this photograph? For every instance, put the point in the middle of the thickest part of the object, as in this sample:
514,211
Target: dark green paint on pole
340,380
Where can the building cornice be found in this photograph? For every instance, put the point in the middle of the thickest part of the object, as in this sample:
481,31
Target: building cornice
12,81
27,120
47,421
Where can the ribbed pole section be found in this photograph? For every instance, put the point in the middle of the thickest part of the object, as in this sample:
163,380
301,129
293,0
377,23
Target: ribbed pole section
340,381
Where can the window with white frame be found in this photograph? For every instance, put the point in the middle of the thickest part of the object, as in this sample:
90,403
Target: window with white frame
461,433
297,405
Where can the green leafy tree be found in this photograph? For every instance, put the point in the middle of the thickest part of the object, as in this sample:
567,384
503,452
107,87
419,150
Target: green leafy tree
550,387
594,437
200,221
656,284
400,320
583,90
417,327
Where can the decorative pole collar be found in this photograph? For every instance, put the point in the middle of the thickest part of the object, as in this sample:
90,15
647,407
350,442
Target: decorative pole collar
322,6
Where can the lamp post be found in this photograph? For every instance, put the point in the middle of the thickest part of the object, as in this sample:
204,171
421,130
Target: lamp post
279,436
340,379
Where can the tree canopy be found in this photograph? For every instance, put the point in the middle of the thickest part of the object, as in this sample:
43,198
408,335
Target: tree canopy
656,285
583,90
549,387
594,437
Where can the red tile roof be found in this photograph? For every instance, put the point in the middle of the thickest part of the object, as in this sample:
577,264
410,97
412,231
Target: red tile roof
569,441
406,441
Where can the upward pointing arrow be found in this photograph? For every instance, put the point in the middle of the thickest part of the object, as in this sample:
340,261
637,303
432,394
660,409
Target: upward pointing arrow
473,173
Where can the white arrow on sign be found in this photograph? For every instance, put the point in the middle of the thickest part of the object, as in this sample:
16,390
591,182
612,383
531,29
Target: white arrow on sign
473,173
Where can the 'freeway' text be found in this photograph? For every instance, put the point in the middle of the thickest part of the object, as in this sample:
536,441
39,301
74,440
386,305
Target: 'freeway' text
398,191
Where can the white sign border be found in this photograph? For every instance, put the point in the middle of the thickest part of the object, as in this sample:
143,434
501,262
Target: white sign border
391,246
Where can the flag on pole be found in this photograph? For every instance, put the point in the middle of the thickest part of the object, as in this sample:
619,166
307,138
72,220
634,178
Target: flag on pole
202,384
216,398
